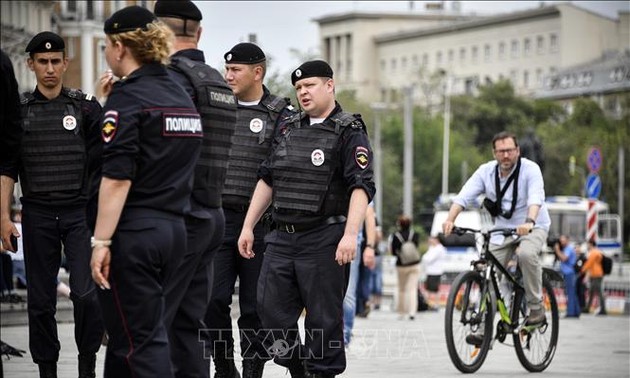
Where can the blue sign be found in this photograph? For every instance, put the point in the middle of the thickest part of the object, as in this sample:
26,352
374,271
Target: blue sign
594,160
593,186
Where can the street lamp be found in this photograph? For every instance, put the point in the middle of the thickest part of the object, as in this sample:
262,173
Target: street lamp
447,131
378,108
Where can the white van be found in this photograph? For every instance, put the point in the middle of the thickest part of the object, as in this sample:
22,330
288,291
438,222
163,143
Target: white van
460,250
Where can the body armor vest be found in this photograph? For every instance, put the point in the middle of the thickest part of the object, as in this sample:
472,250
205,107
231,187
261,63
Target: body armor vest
250,146
304,164
53,146
216,105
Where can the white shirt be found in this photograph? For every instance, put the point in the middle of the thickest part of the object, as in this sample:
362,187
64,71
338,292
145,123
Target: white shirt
531,191
433,260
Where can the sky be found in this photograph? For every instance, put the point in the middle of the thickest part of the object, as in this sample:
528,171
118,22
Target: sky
284,25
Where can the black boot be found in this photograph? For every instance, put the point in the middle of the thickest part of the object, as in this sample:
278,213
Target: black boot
87,365
297,369
253,367
224,366
47,370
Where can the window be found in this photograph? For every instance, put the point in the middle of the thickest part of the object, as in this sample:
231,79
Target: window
393,64
72,5
403,63
502,50
90,10
451,56
474,54
414,61
514,49
328,49
525,79
540,44
553,43
425,59
513,76
383,64
438,58
462,54
527,47
539,77
487,53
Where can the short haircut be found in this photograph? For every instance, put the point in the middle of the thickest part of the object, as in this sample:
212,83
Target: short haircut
504,135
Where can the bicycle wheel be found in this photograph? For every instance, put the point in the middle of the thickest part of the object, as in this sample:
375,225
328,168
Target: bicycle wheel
536,347
468,311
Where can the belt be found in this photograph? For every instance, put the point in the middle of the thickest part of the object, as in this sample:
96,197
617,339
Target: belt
301,227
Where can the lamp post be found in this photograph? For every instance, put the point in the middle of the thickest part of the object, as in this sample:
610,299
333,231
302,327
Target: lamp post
378,108
408,153
447,132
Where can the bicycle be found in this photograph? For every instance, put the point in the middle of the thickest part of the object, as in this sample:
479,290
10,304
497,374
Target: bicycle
475,297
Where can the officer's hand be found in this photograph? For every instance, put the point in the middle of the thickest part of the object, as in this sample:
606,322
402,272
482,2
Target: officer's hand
447,227
346,249
7,228
105,83
246,243
524,229
369,259
101,258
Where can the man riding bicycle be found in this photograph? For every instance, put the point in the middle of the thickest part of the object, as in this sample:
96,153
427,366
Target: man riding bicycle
515,197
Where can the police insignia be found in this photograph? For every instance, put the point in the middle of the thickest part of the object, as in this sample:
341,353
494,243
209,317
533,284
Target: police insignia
317,157
110,124
361,157
256,125
69,122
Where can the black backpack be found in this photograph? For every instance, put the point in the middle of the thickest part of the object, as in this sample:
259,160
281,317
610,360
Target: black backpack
607,264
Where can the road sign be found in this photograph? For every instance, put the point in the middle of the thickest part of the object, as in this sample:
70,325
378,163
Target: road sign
593,186
594,159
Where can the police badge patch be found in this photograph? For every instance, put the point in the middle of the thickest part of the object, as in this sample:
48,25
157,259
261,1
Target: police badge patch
110,124
361,157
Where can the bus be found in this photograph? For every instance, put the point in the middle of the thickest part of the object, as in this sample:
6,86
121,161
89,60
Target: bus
569,217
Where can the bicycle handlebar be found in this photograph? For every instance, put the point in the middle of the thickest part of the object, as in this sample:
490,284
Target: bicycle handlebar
505,231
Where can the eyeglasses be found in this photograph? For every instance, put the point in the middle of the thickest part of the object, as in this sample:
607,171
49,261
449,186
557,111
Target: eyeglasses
508,151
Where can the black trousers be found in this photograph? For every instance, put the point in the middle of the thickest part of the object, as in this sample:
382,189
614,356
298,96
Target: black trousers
228,265
188,294
145,253
45,229
299,271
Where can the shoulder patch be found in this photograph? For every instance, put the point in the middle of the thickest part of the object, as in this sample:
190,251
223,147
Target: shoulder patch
110,125
361,157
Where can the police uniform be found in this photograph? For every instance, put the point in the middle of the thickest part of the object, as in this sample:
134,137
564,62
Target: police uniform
250,146
152,136
313,170
188,293
52,170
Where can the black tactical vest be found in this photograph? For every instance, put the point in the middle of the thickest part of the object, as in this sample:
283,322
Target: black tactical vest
250,146
53,146
216,105
304,164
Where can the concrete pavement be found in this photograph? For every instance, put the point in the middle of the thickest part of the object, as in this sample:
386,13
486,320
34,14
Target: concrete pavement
386,347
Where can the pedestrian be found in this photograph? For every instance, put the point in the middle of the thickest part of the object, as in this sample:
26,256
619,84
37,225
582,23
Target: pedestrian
580,281
567,256
433,264
318,180
188,293
364,257
407,271
593,267
52,167
10,117
152,137
367,262
258,113
376,280
515,197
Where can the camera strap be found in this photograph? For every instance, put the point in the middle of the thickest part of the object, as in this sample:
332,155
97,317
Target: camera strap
501,192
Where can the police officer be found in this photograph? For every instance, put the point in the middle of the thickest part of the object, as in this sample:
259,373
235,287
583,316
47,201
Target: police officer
188,294
11,129
258,112
152,137
318,180
52,169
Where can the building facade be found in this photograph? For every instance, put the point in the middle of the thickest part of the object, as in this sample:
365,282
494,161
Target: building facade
524,47
80,23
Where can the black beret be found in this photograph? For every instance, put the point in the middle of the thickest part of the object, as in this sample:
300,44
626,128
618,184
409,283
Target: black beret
45,42
313,68
128,19
245,53
186,10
